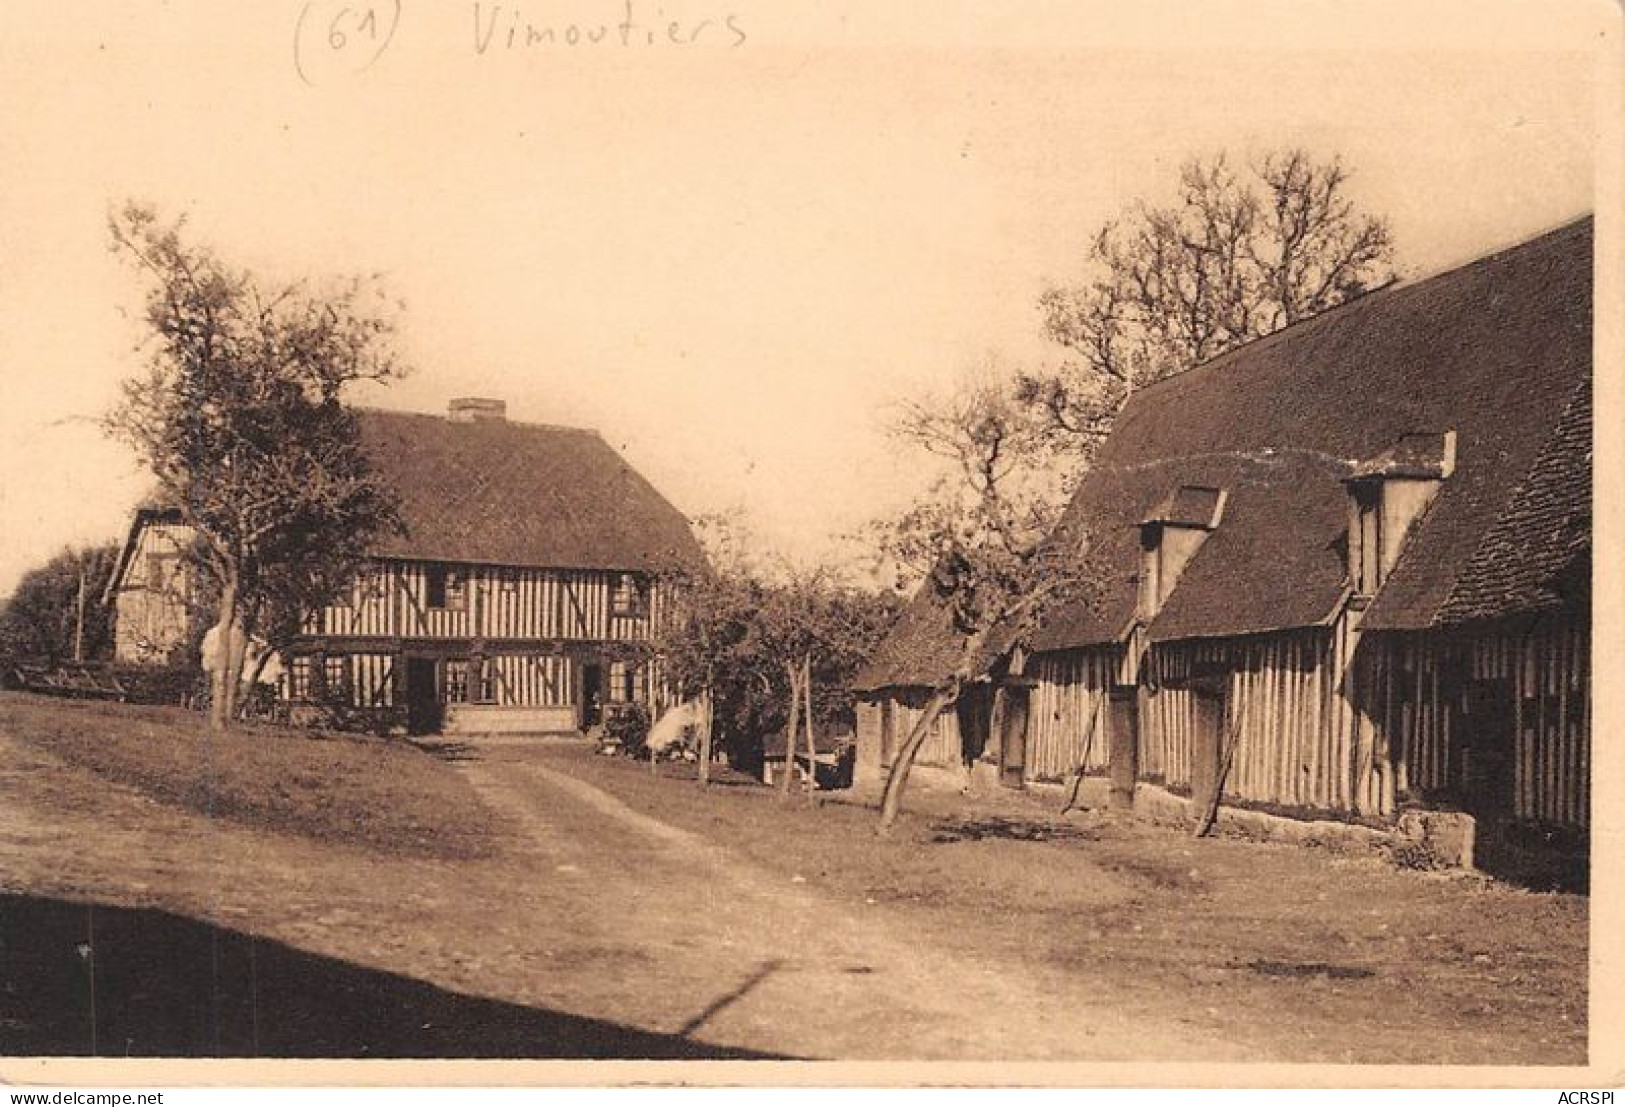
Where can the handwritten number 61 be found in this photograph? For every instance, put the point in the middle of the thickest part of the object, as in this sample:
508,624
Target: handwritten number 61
357,31
367,25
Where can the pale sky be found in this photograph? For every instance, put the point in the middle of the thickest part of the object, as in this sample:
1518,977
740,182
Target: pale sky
725,258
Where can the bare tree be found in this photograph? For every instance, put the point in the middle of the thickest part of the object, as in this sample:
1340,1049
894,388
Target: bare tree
240,416
986,539
1234,257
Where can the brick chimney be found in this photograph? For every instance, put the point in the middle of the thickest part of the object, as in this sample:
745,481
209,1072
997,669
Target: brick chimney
476,409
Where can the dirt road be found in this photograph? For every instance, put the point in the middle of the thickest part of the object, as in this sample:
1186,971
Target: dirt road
632,938
740,954
611,914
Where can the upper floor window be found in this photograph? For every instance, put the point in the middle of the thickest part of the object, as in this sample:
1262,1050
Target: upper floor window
446,588
631,596
162,571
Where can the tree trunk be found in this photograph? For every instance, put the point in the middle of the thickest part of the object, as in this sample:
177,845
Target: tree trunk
891,800
221,701
791,730
812,746
704,727
254,681
236,657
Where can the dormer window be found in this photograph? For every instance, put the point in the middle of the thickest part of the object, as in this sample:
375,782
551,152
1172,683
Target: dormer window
1365,537
1387,495
1170,537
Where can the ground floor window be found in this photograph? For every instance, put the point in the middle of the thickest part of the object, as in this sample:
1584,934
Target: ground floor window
336,677
300,671
454,686
626,682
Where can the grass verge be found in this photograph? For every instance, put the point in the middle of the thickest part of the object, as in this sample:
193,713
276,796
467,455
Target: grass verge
386,795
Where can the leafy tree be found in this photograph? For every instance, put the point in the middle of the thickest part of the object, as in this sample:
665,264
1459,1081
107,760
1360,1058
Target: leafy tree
1236,256
749,629
240,416
56,613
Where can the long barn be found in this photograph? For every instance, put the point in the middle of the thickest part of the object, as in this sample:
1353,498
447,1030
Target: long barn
521,595
1341,570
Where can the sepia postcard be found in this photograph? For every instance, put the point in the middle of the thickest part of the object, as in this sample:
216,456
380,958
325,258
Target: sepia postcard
790,542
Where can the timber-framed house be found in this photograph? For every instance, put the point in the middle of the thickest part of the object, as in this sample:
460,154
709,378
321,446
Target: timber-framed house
521,595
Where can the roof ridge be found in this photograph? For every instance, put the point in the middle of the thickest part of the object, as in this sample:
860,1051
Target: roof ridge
1394,285
441,418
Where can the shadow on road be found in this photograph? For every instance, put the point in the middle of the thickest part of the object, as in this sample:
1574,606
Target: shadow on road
79,979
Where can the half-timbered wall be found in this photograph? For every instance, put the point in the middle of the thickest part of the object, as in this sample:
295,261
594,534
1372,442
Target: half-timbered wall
885,719
1413,684
151,612
1327,721
392,599
1068,722
1279,707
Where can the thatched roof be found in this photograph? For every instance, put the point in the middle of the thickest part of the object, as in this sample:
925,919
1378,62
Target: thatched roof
921,650
1497,351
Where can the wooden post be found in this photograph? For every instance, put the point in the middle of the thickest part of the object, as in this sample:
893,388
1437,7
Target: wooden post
1209,816
790,729
79,614
812,747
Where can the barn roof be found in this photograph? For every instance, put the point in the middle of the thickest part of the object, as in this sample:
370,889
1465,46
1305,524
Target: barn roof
1492,351
510,493
1537,556
921,648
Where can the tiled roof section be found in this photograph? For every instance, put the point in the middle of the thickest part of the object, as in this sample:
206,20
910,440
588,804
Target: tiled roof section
1275,561
1190,505
1492,350
509,493
922,648
1428,456
1528,560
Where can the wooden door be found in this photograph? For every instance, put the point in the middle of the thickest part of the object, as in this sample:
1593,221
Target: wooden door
1206,748
974,712
1485,736
423,714
1013,741
888,731
1123,726
592,694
